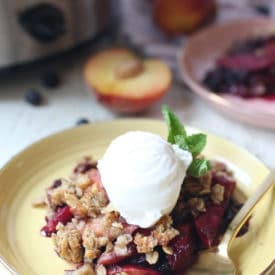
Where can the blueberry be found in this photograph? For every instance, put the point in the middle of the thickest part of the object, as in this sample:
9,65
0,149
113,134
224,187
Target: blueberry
232,77
164,268
214,79
34,98
240,90
50,80
138,259
56,183
82,121
262,9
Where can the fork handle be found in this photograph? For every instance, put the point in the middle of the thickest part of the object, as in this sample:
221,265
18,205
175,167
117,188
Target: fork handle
245,212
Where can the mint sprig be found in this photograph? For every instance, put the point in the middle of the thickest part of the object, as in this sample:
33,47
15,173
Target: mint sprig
199,167
181,142
196,143
193,143
175,128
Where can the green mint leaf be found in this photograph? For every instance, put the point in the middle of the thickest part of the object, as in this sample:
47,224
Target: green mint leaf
181,142
196,143
175,128
199,167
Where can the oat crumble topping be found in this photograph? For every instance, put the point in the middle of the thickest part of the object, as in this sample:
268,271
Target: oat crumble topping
68,243
96,233
217,194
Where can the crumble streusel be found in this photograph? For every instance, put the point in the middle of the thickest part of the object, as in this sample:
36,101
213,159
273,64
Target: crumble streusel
88,232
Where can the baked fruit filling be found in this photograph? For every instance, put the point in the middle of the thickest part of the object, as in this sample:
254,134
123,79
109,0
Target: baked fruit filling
90,234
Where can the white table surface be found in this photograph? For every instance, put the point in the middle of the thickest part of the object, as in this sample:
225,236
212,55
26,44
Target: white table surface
22,124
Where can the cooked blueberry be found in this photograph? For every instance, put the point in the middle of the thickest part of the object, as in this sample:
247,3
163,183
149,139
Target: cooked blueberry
82,121
82,168
230,77
239,90
214,79
235,76
164,268
56,183
50,80
34,98
139,259
262,9
242,75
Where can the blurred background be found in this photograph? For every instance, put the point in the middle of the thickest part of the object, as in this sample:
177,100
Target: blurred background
47,48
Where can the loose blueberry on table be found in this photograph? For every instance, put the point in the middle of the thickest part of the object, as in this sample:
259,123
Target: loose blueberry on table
82,121
34,97
89,232
50,80
247,70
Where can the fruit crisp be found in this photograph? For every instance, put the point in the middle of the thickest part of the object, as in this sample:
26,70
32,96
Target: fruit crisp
88,232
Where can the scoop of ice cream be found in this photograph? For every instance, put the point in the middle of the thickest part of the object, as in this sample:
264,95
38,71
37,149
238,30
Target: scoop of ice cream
142,174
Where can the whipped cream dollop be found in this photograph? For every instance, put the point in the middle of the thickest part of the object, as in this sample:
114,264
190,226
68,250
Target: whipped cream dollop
142,174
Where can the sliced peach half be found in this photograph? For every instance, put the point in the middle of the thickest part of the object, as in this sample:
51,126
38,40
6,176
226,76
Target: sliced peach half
124,82
182,16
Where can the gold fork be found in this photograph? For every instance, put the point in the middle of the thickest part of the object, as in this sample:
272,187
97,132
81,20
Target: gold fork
216,260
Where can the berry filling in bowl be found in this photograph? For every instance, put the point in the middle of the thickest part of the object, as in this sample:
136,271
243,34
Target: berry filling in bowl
231,66
247,70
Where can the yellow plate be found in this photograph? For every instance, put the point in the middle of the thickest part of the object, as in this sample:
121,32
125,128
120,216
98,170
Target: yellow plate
27,175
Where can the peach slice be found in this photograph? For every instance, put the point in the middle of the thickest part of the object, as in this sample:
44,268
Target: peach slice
124,82
182,16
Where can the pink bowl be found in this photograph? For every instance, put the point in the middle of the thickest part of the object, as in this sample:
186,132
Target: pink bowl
199,55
